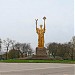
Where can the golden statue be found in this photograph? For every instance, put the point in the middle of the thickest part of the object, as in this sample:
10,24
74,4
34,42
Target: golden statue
40,31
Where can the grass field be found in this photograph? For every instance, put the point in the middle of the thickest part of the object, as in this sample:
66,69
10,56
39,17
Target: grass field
38,61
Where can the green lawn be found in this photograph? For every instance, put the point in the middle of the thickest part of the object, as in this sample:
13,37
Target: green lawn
38,61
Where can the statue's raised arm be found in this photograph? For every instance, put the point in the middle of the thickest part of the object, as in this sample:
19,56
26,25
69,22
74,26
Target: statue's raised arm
44,23
36,23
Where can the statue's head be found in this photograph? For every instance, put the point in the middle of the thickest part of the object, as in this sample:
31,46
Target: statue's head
41,26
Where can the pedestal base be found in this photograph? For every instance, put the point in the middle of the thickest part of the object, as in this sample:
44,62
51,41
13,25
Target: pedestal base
41,51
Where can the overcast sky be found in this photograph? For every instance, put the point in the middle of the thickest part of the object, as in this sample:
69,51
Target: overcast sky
17,20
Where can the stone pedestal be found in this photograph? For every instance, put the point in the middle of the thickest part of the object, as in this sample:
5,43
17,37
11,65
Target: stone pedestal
41,51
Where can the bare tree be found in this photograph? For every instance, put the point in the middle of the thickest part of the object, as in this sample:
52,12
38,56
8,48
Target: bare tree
17,46
7,44
52,47
61,50
26,49
72,48
13,44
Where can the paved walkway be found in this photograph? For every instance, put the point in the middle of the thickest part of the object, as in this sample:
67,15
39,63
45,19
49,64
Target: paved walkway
36,69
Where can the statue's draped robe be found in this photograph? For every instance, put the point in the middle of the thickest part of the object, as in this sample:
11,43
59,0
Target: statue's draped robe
40,33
